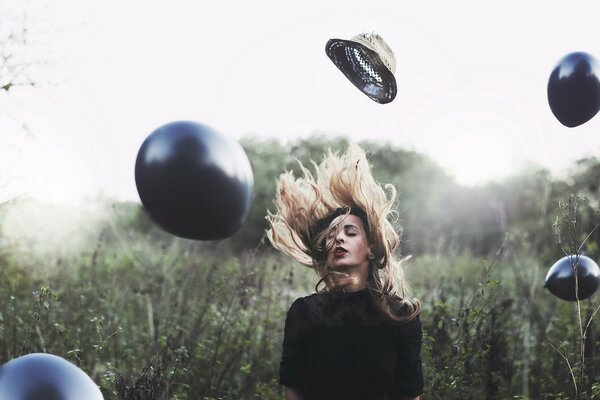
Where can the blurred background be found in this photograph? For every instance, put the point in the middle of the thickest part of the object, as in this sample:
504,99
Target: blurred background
485,175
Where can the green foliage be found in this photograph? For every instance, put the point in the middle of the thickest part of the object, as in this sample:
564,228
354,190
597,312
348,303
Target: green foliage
151,316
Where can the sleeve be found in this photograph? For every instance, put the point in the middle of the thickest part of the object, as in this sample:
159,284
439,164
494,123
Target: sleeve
408,375
291,368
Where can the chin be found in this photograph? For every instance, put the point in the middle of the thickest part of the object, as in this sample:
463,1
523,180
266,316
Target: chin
334,265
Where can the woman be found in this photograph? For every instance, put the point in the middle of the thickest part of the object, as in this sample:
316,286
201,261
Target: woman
359,335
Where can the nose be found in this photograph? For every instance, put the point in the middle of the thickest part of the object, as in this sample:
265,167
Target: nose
339,237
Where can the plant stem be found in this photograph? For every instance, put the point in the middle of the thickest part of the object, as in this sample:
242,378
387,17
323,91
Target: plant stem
581,333
570,369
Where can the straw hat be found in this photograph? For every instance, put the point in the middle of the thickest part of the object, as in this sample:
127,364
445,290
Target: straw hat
368,62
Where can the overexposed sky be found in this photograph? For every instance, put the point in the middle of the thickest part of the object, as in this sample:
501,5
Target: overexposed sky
471,79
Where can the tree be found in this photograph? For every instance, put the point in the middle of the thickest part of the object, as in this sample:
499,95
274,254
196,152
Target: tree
17,61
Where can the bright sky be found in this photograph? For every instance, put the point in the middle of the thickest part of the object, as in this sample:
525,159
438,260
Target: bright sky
471,79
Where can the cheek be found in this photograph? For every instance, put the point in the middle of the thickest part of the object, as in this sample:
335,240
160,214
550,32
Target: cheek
364,249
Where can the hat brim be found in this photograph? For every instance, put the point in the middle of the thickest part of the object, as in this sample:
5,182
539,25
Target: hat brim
364,68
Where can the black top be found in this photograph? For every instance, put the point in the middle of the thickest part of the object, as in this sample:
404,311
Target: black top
339,346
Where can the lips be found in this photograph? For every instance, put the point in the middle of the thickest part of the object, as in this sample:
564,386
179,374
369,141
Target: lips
339,251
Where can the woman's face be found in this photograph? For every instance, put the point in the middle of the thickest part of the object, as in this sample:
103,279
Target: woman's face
347,244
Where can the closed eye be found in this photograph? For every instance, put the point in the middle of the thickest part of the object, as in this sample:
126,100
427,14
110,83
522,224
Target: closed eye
351,230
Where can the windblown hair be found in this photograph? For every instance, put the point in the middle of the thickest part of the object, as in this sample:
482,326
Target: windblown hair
305,208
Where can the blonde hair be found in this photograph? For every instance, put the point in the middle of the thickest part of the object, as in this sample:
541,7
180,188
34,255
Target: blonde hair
306,205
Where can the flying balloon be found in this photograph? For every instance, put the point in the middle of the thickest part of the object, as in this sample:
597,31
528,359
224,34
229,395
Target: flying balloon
574,89
560,280
41,376
193,181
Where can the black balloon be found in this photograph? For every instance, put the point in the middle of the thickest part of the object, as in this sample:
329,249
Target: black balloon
560,280
193,181
45,377
574,89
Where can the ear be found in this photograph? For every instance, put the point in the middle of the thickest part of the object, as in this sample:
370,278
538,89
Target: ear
370,254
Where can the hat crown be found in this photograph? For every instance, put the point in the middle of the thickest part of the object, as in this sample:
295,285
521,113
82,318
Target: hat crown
374,42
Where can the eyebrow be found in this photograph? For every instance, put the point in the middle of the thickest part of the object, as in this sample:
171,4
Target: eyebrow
345,226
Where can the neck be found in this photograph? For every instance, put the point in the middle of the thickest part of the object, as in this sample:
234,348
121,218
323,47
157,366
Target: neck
354,288
357,278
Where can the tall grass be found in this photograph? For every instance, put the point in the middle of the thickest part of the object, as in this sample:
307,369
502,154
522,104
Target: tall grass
150,316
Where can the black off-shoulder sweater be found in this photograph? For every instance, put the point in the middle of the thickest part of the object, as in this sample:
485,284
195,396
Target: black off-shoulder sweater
339,346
